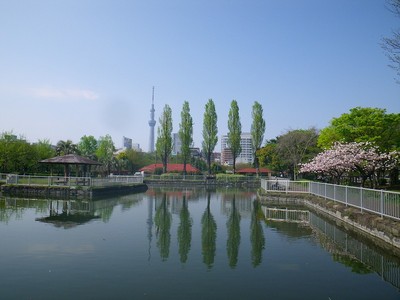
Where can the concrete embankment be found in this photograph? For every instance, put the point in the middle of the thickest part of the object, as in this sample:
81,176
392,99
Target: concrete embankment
65,192
383,231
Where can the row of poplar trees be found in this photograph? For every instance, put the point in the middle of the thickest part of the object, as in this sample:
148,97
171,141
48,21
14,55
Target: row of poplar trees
210,133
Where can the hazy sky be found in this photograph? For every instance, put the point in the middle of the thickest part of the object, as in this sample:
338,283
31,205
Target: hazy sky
80,67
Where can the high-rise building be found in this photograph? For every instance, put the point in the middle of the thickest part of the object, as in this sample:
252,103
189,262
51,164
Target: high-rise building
126,143
152,124
176,144
246,156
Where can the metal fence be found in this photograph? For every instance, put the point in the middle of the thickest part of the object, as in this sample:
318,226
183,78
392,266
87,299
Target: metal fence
380,202
62,181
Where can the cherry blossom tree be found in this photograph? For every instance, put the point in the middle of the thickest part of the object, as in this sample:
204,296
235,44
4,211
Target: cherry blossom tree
342,159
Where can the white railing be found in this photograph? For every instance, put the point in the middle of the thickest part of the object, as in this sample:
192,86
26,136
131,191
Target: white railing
379,202
31,180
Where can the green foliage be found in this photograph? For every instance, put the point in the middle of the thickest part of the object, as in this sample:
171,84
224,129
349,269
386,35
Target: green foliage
363,125
164,138
257,131
186,133
234,132
19,156
229,177
66,147
105,152
210,132
297,146
87,146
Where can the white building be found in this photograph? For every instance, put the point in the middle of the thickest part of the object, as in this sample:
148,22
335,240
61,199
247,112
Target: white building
246,156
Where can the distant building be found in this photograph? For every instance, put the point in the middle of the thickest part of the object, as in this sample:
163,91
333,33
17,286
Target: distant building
126,143
246,156
176,144
136,147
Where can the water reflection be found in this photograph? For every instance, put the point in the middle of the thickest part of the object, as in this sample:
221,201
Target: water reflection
184,231
162,221
220,232
208,235
257,237
233,228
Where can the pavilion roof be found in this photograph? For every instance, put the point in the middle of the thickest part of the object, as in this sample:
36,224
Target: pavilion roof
71,159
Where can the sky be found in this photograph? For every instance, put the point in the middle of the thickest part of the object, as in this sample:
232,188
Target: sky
70,68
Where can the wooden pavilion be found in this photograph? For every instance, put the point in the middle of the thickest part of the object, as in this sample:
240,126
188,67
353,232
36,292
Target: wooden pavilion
72,159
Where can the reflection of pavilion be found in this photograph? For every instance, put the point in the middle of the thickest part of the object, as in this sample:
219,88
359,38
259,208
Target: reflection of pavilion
68,214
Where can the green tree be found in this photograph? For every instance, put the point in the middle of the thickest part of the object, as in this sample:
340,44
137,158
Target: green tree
16,154
297,146
87,146
43,150
164,138
66,147
186,134
257,132
269,157
234,132
105,152
210,132
363,124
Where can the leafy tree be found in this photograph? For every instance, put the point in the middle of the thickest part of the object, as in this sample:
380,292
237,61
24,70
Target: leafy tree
297,146
210,132
257,132
392,45
363,125
87,146
186,134
164,138
234,132
43,150
105,152
16,154
269,157
66,147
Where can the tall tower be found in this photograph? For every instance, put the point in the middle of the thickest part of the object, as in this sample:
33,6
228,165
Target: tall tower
152,123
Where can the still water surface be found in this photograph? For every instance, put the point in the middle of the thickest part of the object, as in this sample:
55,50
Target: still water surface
182,244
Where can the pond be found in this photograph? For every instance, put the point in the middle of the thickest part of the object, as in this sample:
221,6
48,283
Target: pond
184,244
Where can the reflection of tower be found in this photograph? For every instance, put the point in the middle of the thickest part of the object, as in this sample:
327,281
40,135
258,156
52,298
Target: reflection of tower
150,201
152,123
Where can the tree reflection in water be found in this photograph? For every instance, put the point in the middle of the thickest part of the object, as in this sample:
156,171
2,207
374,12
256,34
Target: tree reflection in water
208,235
233,241
184,231
162,220
257,238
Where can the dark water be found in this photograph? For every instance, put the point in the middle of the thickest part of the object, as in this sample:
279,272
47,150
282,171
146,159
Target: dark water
182,244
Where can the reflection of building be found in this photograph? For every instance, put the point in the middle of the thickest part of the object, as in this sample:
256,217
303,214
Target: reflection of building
246,156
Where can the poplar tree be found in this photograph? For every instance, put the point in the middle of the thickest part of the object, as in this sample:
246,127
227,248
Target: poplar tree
185,134
210,131
257,132
164,138
235,132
